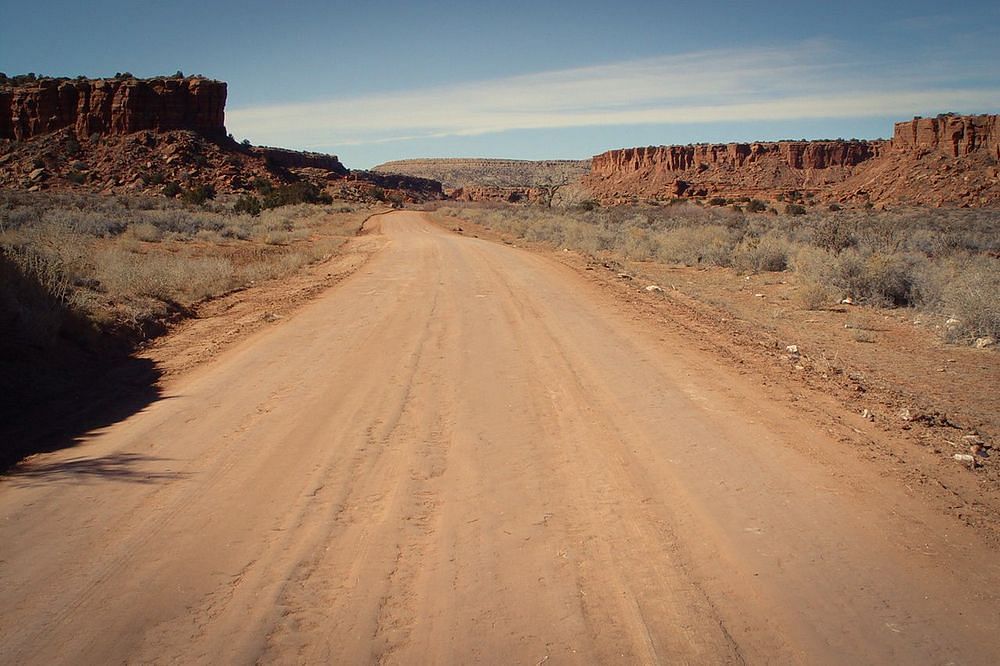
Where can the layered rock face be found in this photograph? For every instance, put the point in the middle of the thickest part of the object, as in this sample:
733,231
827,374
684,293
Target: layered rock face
938,161
793,154
955,136
113,107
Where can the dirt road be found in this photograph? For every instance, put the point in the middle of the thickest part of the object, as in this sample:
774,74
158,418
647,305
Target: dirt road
466,453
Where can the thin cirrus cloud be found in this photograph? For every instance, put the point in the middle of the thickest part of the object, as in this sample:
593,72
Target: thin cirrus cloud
807,81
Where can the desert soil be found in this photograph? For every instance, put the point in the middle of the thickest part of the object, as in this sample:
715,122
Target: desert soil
467,452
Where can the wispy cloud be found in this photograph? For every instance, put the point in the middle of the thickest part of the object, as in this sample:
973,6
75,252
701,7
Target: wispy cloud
806,81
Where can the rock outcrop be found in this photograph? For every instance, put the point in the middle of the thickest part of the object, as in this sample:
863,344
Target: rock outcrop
113,107
294,159
793,154
939,161
161,135
955,136
477,173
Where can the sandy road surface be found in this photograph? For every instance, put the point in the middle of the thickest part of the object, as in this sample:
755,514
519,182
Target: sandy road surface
464,453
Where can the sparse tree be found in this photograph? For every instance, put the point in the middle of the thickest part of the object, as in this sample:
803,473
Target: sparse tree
549,186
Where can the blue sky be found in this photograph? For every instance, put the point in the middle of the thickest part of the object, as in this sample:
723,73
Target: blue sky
373,81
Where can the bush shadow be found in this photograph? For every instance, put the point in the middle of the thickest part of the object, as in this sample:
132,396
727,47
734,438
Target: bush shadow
60,377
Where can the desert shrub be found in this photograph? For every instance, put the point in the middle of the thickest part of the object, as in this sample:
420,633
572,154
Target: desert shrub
766,253
154,178
295,193
124,275
877,279
971,294
247,204
183,222
262,185
833,233
145,231
99,224
710,245
171,190
640,245
834,207
77,177
198,194
33,296
882,234
814,295
718,201
795,209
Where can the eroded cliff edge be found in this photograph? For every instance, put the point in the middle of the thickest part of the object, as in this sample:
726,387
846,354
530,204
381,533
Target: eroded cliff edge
944,160
113,107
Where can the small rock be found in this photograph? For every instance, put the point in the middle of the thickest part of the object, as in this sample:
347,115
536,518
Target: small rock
758,295
980,450
965,458
952,322
792,349
624,276
867,415
847,301
905,415
37,174
984,343
654,288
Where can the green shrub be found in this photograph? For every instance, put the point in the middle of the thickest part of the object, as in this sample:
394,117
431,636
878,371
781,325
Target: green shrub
295,193
198,194
262,185
247,204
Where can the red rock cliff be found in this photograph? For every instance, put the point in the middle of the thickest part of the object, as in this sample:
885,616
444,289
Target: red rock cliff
955,136
793,154
113,106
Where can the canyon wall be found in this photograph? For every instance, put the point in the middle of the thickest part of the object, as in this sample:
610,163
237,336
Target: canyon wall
955,136
794,154
944,160
113,107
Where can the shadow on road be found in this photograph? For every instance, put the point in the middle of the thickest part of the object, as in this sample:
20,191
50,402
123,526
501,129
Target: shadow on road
127,467
53,400
61,375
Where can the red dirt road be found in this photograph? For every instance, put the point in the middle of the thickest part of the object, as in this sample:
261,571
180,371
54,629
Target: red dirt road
465,453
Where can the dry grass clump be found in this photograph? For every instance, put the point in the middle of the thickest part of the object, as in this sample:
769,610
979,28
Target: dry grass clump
124,264
709,245
943,261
